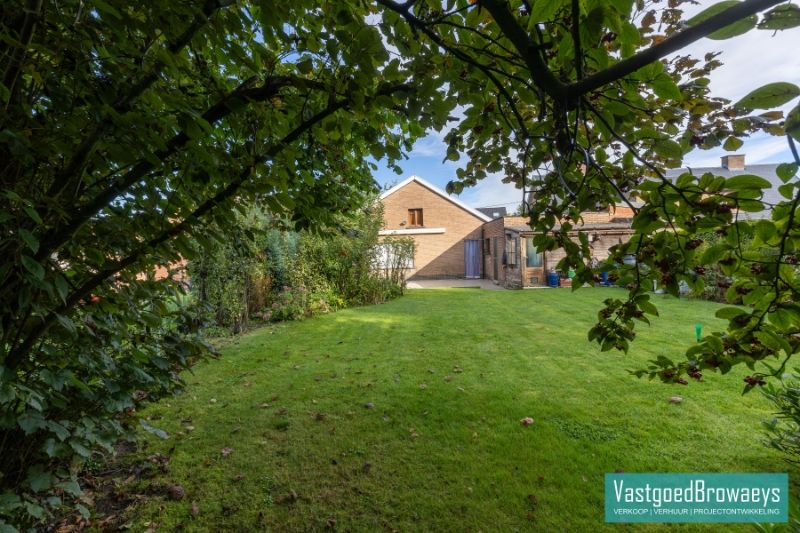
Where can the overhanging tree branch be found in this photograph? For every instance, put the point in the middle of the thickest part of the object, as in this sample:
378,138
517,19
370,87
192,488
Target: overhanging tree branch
669,45
73,171
569,94
224,107
18,353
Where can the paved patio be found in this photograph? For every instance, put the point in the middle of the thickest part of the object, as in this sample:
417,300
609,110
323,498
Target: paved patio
454,284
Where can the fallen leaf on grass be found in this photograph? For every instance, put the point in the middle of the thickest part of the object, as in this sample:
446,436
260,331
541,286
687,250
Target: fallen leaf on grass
238,477
176,492
527,421
226,451
195,509
290,498
423,386
458,369
319,417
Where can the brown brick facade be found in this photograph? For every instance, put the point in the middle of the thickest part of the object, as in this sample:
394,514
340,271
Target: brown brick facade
447,224
439,254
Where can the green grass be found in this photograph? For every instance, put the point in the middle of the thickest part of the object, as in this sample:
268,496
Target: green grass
450,374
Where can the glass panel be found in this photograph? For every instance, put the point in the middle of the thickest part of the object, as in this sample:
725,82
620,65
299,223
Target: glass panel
534,257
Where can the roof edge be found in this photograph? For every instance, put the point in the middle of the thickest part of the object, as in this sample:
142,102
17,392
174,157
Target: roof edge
437,190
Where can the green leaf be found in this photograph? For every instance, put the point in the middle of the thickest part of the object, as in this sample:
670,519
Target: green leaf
62,287
768,339
665,87
792,123
33,214
543,12
747,181
732,30
71,487
151,319
30,422
39,480
780,318
305,66
781,17
29,239
786,171
729,313
732,144
9,502
787,190
769,96
35,510
668,149
80,449
714,253
765,229
33,267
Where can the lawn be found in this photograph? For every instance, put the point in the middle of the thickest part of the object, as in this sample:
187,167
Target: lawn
406,416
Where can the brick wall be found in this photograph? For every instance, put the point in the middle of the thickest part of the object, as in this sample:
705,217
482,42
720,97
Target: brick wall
438,255
508,276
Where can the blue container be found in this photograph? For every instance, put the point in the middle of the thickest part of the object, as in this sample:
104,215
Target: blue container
604,277
552,279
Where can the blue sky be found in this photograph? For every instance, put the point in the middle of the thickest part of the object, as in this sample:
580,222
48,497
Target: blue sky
750,61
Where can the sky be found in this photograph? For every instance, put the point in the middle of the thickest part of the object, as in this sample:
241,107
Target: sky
749,61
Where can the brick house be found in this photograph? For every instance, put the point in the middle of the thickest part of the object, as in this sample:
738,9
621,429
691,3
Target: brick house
446,231
456,241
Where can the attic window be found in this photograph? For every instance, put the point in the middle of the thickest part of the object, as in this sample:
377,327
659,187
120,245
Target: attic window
415,217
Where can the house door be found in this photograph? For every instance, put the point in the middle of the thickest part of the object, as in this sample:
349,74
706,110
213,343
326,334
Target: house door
472,258
534,265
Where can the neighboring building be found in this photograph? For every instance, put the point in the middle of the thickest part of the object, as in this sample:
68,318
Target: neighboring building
447,232
734,165
456,241
511,259
494,212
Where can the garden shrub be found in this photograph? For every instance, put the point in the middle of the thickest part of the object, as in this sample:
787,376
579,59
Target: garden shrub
265,272
783,431
122,348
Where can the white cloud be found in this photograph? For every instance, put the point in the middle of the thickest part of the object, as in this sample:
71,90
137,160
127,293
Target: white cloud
492,192
432,145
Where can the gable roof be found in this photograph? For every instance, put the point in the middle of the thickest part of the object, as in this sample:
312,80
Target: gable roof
436,190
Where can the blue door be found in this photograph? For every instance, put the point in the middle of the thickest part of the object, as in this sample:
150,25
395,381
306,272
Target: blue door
472,258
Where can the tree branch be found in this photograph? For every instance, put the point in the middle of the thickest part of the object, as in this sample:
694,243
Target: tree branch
526,47
669,45
212,115
403,11
74,169
18,353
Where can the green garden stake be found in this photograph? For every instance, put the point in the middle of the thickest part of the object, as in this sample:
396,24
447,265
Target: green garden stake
698,331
